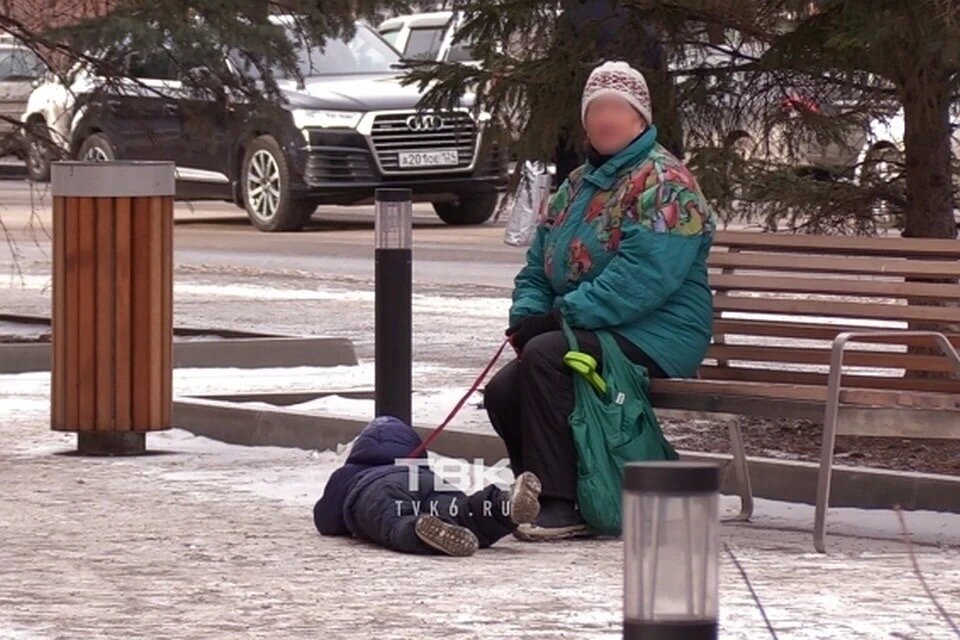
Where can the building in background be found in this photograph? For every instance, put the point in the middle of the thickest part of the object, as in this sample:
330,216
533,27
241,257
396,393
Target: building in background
39,14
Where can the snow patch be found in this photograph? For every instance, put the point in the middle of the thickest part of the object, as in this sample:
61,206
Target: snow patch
25,330
430,408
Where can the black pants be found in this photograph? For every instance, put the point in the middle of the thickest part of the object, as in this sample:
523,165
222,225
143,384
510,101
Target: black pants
529,402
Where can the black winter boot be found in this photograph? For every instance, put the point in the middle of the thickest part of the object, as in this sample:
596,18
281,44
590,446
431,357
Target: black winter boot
558,519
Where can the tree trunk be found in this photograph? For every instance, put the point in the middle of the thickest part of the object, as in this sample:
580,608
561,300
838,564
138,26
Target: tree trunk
929,214
926,108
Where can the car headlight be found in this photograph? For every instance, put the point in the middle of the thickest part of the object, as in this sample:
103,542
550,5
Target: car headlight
325,119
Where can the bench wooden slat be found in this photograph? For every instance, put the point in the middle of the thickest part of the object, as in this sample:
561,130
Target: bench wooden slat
835,286
869,397
770,328
773,262
812,355
830,308
845,245
836,283
750,374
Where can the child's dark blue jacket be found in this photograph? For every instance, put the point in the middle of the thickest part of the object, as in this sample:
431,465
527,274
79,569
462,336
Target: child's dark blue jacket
373,454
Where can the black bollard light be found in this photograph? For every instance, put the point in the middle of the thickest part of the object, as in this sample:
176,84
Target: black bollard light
670,541
393,306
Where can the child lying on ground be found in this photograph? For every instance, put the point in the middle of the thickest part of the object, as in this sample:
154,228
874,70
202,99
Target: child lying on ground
370,497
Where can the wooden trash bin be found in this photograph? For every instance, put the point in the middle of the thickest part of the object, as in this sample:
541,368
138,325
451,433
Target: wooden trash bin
112,315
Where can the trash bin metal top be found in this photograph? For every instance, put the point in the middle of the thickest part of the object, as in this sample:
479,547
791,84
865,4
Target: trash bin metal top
671,477
112,179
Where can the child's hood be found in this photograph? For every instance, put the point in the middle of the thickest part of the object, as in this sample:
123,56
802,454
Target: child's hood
383,441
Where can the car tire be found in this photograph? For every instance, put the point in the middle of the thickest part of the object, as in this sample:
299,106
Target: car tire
39,151
265,189
97,148
472,209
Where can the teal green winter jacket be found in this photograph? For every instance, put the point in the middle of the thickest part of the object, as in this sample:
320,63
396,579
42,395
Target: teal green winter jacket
624,247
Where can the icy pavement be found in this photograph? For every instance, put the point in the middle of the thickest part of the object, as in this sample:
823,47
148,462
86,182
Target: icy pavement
207,540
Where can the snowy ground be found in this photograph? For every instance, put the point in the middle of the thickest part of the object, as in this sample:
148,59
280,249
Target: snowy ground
207,540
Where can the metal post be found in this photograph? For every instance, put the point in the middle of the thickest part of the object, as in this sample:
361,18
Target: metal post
393,308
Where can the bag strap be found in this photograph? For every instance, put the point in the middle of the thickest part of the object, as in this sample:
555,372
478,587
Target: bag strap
614,357
581,387
571,338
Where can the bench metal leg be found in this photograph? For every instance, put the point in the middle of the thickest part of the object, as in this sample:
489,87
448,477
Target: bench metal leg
830,416
832,413
742,472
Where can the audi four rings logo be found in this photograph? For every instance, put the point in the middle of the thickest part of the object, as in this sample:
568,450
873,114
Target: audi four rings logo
427,122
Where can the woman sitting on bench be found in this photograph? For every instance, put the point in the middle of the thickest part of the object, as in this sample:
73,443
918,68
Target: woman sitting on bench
623,246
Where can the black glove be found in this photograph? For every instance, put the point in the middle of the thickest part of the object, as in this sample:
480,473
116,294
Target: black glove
530,327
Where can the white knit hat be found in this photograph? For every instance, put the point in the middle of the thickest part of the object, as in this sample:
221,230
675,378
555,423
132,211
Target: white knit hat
619,79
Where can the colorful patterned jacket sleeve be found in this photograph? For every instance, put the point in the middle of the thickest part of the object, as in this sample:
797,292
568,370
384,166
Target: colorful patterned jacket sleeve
662,234
532,291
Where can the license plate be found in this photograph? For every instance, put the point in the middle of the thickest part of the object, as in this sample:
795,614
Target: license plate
439,158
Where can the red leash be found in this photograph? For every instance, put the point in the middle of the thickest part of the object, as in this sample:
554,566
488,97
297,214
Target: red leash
476,385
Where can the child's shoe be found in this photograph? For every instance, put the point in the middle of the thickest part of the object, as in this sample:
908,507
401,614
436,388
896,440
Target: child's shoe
451,539
524,498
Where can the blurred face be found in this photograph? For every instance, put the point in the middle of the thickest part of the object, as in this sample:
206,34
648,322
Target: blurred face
611,123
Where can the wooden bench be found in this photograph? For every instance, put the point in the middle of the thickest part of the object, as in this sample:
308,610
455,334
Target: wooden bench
818,328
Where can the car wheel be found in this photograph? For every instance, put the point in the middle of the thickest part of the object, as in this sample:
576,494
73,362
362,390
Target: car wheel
472,209
97,148
39,153
265,189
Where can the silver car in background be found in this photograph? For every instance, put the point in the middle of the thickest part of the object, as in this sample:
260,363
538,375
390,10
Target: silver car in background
19,70
428,36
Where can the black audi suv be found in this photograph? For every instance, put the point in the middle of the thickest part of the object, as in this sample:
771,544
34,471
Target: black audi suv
342,129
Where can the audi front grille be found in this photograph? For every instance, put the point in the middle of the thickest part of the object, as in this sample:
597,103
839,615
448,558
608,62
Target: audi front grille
396,132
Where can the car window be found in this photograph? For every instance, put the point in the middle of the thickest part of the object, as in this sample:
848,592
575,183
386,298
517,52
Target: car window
19,64
424,43
461,51
391,36
156,65
365,52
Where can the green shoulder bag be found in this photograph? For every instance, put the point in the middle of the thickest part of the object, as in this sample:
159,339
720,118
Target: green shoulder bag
613,423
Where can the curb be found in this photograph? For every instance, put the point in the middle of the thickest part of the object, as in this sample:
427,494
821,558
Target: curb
241,353
177,331
252,426
236,349
782,480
